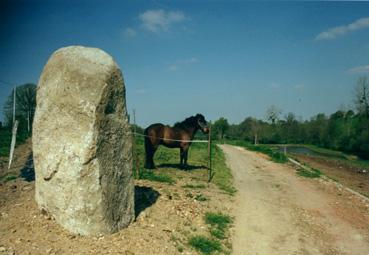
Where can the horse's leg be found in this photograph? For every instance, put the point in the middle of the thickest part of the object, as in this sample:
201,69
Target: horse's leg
181,157
185,155
150,151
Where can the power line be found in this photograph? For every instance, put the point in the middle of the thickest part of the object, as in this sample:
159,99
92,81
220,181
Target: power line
7,83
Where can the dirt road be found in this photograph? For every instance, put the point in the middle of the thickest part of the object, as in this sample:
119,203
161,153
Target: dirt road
279,212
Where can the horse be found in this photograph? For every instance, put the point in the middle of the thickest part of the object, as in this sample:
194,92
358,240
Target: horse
178,136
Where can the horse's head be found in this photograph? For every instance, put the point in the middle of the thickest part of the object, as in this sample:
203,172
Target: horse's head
202,123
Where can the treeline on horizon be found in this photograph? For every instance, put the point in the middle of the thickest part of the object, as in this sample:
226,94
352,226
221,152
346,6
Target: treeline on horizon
344,130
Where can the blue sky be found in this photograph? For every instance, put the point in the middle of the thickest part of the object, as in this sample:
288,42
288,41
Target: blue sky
220,58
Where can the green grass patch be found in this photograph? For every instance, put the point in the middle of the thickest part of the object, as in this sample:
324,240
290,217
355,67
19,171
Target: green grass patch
273,153
218,233
314,173
219,220
7,178
157,177
197,159
204,244
222,174
201,198
6,138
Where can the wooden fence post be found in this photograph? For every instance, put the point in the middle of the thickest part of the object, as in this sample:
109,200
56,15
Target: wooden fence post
135,154
12,146
210,172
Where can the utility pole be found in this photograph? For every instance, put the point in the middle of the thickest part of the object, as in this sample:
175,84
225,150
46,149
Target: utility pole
28,112
135,154
14,99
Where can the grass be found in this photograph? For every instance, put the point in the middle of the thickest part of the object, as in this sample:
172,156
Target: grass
204,244
6,138
314,173
157,177
7,178
222,174
217,233
219,220
168,159
201,198
274,154
219,224
194,186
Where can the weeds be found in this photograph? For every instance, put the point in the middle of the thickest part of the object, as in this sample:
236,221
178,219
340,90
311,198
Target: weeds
275,155
201,198
314,173
219,220
8,178
204,244
150,175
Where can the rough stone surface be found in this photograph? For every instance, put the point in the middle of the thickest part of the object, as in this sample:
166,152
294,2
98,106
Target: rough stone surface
82,145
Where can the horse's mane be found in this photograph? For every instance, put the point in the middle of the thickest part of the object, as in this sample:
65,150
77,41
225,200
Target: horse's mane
189,122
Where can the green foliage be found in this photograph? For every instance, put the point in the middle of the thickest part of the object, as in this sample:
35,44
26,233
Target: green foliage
219,220
219,128
194,186
314,173
204,244
152,176
344,130
198,156
7,178
275,155
219,224
25,106
222,174
6,138
217,233
201,198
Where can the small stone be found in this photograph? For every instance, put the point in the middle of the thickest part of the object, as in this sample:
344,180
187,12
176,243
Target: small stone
2,249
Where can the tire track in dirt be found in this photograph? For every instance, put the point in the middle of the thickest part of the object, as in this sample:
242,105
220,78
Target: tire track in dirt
278,212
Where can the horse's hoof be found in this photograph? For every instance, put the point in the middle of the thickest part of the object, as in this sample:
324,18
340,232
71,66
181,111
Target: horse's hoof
150,167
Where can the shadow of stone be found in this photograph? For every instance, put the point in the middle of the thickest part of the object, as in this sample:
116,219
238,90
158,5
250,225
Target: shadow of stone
28,170
144,198
178,166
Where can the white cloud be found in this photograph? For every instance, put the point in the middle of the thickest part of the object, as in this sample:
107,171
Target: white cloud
160,20
274,85
190,60
141,91
359,69
182,62
334,32
173,67
129,32
299,86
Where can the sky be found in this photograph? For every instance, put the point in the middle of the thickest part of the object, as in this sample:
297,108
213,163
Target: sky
229,59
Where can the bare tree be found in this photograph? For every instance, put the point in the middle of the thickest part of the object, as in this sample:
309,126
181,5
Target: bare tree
25,105
362,96
273,113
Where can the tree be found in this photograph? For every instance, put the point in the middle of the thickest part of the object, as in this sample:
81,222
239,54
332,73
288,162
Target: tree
25,105
273,113
220,126
362,96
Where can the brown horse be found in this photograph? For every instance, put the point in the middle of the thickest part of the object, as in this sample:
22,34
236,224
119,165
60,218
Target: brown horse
178,136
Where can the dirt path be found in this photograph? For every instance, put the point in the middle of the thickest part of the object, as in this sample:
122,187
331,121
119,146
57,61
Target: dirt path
278,212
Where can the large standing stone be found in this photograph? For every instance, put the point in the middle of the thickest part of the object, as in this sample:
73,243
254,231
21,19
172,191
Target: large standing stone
82,146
